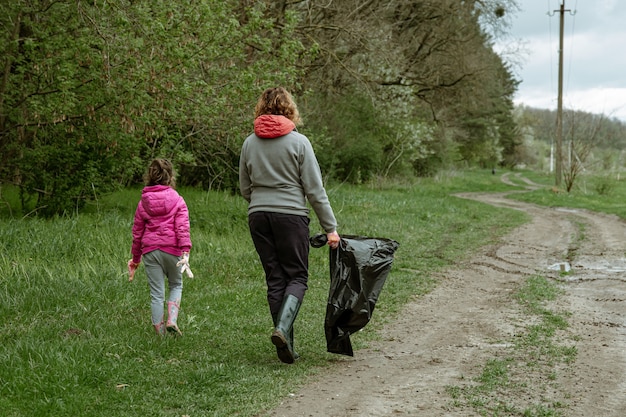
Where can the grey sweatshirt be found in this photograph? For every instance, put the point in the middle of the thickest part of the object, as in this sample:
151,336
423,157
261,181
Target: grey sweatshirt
279,174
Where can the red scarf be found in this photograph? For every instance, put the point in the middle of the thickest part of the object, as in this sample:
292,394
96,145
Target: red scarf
269,126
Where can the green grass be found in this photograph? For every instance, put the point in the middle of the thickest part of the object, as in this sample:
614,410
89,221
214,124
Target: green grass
76,336
599,192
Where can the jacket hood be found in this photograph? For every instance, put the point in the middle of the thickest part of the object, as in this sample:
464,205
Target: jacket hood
269,126
158,200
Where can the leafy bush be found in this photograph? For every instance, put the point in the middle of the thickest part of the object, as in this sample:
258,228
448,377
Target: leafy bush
355,128
604,185
93,91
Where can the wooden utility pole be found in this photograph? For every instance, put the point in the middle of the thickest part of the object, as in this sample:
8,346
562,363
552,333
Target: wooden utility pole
559,110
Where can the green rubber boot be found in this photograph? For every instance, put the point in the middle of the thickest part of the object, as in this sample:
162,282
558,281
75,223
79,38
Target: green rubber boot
282,337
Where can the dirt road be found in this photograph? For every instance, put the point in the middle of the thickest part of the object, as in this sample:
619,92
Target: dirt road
446,337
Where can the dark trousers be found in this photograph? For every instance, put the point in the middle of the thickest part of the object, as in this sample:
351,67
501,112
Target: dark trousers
282,242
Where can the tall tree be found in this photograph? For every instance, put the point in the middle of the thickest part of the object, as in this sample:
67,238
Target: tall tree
421,62
93,89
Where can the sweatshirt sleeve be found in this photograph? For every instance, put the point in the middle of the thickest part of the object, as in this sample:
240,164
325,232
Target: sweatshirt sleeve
311,176
182,226
245,184
139,226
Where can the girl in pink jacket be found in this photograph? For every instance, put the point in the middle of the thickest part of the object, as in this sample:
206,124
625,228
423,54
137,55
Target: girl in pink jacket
161,237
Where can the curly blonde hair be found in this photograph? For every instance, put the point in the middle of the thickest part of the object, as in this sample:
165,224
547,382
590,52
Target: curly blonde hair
160,172
278,101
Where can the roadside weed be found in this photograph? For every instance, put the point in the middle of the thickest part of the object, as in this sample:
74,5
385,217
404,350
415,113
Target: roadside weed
508,384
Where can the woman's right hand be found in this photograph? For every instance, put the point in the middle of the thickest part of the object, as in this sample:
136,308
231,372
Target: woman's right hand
333,239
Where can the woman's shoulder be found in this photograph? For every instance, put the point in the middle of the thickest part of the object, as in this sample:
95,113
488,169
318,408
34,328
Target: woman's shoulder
298,137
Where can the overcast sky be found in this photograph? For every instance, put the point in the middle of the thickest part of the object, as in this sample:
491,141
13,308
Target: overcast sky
594,55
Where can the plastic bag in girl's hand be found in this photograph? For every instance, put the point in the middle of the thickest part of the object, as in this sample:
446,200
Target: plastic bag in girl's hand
358,271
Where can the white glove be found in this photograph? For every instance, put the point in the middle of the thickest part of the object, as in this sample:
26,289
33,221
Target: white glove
184,265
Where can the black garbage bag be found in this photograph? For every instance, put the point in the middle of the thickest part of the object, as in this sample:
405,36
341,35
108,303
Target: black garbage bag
358,271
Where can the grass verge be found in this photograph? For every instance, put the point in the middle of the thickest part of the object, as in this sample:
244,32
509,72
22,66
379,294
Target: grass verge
76,337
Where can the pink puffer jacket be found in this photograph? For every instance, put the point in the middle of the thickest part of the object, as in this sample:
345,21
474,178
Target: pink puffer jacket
161,222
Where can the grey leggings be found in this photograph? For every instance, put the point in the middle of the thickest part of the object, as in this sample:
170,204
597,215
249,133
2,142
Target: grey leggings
160,265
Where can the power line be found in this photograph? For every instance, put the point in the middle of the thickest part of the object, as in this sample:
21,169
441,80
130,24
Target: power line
571,44
550,45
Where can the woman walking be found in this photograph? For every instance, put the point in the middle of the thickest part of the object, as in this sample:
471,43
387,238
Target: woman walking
278,174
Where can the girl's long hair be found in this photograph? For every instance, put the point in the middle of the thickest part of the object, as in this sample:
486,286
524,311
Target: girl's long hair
160,172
